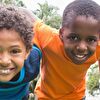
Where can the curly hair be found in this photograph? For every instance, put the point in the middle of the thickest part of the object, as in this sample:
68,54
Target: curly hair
13,18
80,8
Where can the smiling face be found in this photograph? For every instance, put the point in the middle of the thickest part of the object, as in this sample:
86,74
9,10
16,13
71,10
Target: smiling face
12,54
80,39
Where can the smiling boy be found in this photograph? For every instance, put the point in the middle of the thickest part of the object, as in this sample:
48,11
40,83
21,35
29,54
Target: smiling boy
68,54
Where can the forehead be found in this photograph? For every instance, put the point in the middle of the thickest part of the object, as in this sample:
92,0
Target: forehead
10,38
9,35
85,24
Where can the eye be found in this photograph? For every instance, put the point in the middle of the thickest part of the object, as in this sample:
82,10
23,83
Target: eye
73,37
15,51
92,40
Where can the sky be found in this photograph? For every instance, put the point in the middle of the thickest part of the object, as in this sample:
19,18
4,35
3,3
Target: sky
61,4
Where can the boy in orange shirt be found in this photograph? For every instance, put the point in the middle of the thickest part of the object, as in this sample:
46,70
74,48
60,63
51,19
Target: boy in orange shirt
68,54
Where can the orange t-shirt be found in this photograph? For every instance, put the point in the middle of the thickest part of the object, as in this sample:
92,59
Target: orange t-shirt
60,79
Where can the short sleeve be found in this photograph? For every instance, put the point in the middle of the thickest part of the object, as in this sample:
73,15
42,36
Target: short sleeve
98,51
42,34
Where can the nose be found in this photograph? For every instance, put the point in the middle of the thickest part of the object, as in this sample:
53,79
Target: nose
81,47
4,60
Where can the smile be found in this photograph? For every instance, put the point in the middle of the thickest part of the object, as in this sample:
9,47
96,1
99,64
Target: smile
80,56
6,71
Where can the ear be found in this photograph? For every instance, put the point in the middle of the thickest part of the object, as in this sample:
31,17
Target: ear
61,33
27,54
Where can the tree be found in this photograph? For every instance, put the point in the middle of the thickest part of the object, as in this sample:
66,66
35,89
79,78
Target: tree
49,15
13,2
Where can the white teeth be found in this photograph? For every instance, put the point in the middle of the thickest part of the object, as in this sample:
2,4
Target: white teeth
80,56
5,71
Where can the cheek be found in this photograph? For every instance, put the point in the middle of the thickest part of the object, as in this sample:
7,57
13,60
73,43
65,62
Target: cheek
19,62
68,48
93,49
68,45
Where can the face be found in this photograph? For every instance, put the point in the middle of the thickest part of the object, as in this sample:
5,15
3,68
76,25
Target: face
80,39
12,54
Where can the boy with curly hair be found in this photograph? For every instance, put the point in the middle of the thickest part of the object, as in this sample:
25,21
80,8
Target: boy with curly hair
17,69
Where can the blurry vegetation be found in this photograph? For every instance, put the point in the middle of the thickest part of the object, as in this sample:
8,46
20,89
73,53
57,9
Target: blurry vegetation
49,14
13,2
93,81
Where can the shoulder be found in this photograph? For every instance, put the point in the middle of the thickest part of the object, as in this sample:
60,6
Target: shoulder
32,64
41,27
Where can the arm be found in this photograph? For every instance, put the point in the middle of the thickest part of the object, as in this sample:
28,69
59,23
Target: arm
98,53
99,64
32,63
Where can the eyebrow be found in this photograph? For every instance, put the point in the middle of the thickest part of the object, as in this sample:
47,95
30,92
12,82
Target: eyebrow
15,46
73,33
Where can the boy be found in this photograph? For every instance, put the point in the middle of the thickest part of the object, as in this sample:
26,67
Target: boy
68,54
15,45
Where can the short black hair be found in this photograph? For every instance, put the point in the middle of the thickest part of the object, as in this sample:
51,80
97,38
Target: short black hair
80,8
13,18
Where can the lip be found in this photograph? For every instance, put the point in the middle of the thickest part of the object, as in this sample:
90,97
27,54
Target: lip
79,57
82,56
6,71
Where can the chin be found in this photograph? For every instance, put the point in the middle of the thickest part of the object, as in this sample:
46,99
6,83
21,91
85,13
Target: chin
78,62
5,79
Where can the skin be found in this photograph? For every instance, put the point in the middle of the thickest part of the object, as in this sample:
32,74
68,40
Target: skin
80,40
12,54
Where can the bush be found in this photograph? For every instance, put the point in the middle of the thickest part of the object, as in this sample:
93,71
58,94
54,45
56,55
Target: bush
93,79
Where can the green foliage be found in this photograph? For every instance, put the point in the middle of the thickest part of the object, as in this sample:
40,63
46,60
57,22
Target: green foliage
93,79
13,2
49,15
54,22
